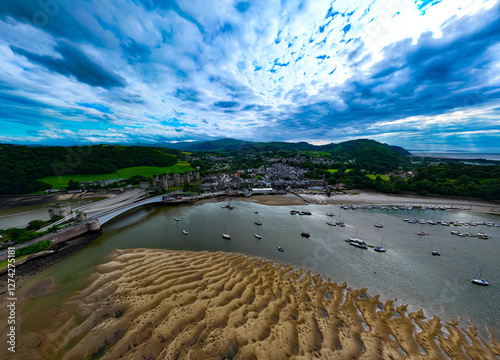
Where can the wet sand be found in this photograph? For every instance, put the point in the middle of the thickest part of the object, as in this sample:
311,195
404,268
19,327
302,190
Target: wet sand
359,197
161,304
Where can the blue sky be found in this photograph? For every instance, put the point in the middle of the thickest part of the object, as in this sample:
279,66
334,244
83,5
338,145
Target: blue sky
421,74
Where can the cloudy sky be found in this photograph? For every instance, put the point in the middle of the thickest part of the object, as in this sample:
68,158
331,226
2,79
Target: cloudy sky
421,74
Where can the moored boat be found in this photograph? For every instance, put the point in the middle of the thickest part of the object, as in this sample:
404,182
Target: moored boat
358,245
258,236
478,281
304,234
185,232
280,249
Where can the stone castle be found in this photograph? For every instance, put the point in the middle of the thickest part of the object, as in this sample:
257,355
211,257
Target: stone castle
166,180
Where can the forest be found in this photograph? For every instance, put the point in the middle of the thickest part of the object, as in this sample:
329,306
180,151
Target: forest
20,166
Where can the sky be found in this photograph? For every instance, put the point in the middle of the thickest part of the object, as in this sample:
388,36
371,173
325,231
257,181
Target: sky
421,74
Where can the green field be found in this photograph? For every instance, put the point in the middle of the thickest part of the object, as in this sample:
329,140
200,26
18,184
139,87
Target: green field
148,171
374,176
335,170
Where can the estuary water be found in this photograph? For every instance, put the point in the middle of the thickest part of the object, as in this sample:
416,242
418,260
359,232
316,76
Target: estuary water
407,271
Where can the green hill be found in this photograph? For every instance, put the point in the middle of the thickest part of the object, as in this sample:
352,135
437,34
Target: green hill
372,155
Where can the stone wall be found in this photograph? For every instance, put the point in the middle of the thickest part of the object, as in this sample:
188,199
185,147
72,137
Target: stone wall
167,180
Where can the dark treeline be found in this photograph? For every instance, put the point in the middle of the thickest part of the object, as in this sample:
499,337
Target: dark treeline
457,180
20,166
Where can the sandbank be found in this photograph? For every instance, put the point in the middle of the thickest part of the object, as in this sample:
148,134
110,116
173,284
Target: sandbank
161,304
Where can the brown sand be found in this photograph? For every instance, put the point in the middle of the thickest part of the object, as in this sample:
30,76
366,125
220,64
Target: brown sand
160,304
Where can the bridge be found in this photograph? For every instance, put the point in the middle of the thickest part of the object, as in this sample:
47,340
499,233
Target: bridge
101,212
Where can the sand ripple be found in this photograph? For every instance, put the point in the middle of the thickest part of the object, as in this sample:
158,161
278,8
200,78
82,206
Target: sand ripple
159,304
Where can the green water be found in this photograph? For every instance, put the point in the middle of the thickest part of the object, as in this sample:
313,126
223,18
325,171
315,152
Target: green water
406,271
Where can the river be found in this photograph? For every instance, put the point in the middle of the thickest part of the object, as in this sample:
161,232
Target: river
407,271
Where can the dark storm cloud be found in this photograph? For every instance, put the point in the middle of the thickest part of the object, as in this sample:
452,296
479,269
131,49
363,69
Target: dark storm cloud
226,104
169,5
135,52
52,16
75,63
427,78
187,94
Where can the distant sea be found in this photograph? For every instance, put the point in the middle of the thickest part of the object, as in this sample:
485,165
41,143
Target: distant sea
456,154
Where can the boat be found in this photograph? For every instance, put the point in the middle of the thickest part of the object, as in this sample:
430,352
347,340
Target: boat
477,279
294,212
329,214
435,253
305,235
226,235
177,219
280,249
305,213
258,236
421,233
379,226
380,248
358,245
255,212
331,224
185,232
257,223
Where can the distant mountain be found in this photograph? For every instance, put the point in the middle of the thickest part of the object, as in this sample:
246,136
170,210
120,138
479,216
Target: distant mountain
246,146
369,154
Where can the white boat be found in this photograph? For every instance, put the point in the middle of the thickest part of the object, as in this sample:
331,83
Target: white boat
185,232
380,248
226,235
329,214
477,279
258,236
177,219
358,245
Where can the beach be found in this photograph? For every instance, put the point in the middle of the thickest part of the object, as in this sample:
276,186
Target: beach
359,197
166,304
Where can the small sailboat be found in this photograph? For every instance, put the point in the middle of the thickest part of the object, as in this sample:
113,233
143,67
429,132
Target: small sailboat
358,245
331,224
257,223
378,224
435,253
280,249
477,279
380,248
177,219
226,235
258,236
185,232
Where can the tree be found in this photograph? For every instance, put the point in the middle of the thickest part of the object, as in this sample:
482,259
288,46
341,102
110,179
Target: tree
73,185
35,225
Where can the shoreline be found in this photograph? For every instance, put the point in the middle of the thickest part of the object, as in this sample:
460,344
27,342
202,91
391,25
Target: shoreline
359,197
39,264
250,307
